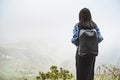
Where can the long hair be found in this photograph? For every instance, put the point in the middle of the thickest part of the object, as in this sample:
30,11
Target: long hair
85,19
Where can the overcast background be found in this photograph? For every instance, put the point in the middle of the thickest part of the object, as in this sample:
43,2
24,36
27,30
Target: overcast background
40,31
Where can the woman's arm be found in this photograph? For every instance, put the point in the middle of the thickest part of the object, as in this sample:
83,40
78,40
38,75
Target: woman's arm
100,38
74,39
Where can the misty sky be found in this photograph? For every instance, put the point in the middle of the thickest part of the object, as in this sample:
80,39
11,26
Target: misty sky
52,22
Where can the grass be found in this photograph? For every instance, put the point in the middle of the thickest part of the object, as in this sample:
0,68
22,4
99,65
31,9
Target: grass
103,72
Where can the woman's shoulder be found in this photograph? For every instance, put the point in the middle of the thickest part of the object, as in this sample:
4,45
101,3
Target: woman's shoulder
76,26
96,27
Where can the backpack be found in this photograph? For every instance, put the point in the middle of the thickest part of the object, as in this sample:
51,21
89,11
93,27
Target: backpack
88,42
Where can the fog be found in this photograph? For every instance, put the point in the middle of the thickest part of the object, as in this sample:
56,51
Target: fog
35,34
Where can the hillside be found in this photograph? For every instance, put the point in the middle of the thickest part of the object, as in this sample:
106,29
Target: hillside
27,59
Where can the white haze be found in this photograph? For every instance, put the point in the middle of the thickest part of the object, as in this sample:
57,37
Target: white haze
39,32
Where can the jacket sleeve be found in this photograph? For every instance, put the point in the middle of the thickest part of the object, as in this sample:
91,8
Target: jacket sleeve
100,38
74,39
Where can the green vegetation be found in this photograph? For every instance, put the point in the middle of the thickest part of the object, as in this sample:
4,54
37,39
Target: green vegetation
109,73
55,74
103,72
